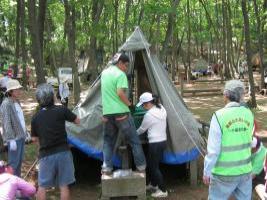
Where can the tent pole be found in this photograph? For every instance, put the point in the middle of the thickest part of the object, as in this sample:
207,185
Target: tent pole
193,172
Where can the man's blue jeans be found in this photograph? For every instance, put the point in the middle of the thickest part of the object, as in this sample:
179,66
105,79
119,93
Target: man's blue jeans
222,187
112,126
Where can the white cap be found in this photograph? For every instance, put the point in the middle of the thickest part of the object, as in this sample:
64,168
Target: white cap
13,84
145,97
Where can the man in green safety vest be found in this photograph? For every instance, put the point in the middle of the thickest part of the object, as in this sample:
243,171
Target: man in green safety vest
227,165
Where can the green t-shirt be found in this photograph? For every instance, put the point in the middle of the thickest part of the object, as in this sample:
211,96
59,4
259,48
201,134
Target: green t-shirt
112,79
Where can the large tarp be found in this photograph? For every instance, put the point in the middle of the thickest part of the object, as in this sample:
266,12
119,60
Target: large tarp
184,140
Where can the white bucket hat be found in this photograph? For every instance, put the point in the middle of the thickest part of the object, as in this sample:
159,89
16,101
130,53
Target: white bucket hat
145,97
13,84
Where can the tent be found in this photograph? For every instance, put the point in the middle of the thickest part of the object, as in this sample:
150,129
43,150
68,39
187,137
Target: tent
145,73
200,64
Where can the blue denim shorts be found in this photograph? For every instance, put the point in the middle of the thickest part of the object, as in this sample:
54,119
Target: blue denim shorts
56,170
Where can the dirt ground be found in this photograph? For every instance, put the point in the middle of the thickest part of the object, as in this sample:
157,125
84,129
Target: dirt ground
89,187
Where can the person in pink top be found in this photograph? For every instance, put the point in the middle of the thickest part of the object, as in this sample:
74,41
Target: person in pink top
11,185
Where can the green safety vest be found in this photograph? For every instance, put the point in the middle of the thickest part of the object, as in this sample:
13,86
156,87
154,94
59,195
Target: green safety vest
236,125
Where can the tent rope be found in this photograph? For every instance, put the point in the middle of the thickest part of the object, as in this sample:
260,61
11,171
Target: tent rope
167,96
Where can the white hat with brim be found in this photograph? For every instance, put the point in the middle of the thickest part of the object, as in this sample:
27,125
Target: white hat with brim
13,84
144,98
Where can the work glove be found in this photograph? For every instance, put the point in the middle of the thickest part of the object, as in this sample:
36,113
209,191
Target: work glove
13,145
28,138
63,100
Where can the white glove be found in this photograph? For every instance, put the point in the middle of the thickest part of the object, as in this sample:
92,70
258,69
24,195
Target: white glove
28,137
13,145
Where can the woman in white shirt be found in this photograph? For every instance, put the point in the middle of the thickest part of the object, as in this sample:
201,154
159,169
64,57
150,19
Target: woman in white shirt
155,124
64,92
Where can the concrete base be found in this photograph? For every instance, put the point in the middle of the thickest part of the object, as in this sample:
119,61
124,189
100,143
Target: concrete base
132,185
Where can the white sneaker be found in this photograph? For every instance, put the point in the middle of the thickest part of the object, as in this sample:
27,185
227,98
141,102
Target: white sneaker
151,187
159,194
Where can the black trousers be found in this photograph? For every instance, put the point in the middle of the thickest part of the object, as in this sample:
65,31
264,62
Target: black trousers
259,179
155,154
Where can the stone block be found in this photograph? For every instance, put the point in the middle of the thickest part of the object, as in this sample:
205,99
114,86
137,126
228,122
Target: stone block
134,184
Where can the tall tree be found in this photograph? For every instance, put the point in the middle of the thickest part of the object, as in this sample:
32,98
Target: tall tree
248,52
41,23
169,32
224,50
23,43
18,26
35,39
97,7
188,67
71,28
126,19
260,40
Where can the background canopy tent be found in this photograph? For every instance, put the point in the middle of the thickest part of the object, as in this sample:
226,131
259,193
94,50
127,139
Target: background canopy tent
145,73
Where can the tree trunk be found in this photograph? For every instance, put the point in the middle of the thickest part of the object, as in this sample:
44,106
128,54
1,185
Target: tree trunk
126,17
169,32
260,41
230,36
141,14
116,10
218,38
229,39
52,57
151,30
224,50
248,52
18,31
92,63
36,46
239,48
157,44
188,74
41,23
23,44
70,14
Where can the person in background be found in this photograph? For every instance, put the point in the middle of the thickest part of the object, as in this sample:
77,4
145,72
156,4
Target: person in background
56,167
12,186
155,124
64,92
13,124
10,71
227,165
28,75
241,70
257,158
3,82
116,114
261,189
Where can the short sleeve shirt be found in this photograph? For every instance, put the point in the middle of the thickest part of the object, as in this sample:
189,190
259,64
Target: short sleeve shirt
113,79
49,126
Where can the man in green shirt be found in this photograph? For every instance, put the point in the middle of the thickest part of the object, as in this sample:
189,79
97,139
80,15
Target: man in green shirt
116,114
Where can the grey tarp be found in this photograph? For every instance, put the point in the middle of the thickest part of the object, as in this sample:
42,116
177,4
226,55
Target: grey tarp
184,140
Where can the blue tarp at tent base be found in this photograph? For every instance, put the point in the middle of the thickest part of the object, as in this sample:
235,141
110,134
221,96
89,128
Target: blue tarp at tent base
168,157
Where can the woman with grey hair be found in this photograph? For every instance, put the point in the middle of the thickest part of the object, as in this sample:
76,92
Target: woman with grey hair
45,95
48,129
227,165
